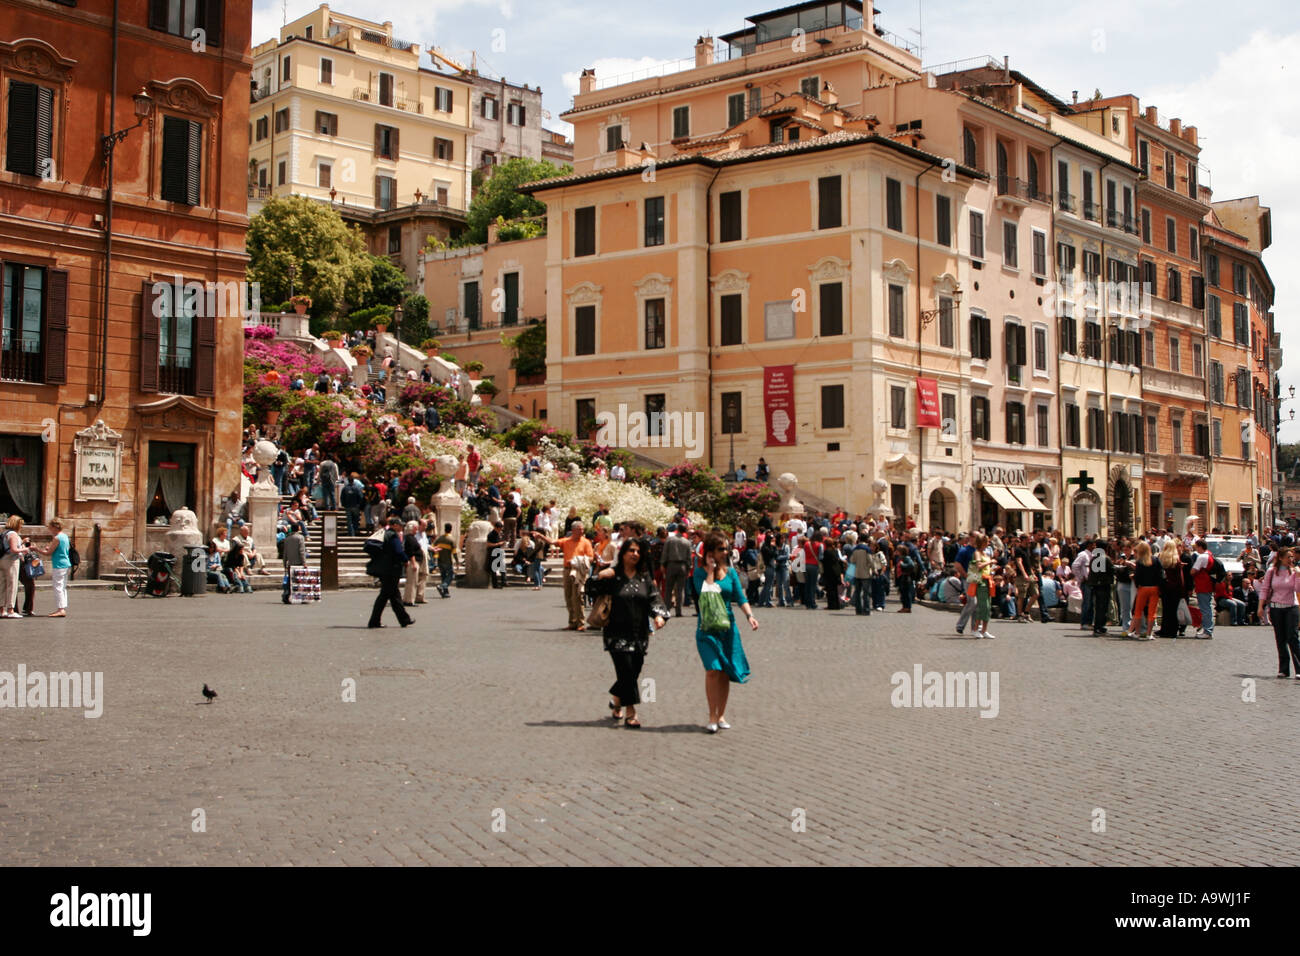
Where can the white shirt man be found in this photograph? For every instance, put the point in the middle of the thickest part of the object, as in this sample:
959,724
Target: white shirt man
1080,566
796,526
740,540
618,473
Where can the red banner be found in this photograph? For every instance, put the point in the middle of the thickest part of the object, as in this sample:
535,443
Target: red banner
927,403
778,399
18,462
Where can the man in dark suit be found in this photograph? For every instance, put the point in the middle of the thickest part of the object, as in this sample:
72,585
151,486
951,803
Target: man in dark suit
390,574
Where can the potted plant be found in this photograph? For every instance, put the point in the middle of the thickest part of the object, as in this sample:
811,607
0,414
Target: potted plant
333,337
362,353
488,388
429,346
380,322
474,367
300,303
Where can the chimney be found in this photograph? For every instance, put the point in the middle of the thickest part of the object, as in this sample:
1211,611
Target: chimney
828,94
1176,127
869,19
1153,116
1006,69
1076,97
1189,135
703,51
587,81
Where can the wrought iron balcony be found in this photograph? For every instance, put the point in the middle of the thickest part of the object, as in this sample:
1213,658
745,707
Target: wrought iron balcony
1092,210
1066,203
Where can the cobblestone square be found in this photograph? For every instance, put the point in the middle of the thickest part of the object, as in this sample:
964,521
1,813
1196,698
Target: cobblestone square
480,736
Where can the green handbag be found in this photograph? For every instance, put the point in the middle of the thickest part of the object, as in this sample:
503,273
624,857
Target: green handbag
714,618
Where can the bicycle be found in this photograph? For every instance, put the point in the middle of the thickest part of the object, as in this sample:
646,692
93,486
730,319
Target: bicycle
139,577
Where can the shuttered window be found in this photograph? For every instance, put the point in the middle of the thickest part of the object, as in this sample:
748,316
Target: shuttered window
34,324
584,231
832,406
828,203
182,17
181,160
178,341
387,144
733,319
584,327
29,144
385,192
832,309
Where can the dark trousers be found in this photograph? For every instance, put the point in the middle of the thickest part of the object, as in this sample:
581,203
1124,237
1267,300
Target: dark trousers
1100,607
833,592
354,521
810,586
29,590
878,590
861,600
906,591
497,565
448,577
390,594
329,497
1285,622
675,585
627,668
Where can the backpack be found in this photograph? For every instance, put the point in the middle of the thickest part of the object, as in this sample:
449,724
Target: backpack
4,543
906,566
376,548
74,558
1217,571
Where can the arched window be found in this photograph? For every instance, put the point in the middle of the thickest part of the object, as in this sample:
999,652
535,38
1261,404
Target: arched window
1002,168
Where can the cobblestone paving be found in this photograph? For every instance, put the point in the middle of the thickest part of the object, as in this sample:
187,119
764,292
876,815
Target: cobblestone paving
486,710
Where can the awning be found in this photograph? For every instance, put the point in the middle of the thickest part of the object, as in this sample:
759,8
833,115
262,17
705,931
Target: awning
1003,496
1028,499
1015,498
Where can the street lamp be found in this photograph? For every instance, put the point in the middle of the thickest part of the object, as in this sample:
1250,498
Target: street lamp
397,321
731,413
143,104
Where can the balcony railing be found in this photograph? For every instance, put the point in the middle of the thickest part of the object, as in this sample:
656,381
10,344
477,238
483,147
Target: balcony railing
379,39
478,323
175,379
1092,210
367,95
258,192
1156,463
17,365
261,93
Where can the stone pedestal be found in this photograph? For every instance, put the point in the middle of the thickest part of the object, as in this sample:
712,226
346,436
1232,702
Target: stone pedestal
184,533
263,506
477,572
447,505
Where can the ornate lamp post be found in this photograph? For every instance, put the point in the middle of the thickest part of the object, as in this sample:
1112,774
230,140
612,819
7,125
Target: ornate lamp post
731,413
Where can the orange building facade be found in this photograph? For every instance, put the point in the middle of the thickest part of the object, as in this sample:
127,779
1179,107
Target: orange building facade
96,334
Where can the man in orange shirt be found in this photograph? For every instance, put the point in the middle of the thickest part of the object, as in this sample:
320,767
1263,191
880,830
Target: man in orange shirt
574,546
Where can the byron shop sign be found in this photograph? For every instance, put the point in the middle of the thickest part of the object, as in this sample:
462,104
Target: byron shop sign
987,473
98,451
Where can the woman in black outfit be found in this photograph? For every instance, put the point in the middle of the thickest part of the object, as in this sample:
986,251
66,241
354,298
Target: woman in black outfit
832,574
627,635
1174,588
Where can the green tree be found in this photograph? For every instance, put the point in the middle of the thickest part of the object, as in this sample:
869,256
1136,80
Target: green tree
528,348
385,284
415,319
500,196
297,242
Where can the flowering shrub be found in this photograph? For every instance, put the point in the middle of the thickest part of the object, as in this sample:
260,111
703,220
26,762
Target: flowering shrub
695,486
283,357
259,332
560,455
746,503
526,434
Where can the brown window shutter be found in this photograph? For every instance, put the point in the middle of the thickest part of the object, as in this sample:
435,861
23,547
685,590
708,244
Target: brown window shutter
149,335
205,356
158,14
397,150
377,193
212,19
56,327
379,138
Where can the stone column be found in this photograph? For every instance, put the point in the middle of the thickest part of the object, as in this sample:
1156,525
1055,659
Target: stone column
263,505
477,572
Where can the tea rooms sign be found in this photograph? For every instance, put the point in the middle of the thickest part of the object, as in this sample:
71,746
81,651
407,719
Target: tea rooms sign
98,451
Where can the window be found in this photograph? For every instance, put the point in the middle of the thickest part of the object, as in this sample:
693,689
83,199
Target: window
1216,382
1144,160
1192,188
1043,433
896,328
1089,207
832,308
1003,169
386,141
443,101
1096,428
732,320
729,217
324,175
654,324
947,323
1218,437
490,108
655,412
681,122
29,143
1065,260
828,202
35,325
176,345
584,331
286,70
1039,253
282,120
385,192
897,407
1171,235
1241,323
510,284
948,415
894,205
970,149
654,221
977,235
1193,242
394,240
979,418
1015,423
1175,286
444,149
263,123
182,153
327,124
1169,170
832,406
1040,349
1198,360
1176,435
1239,278
585,414
1148,276
1112,210
1201,440
735,109
1032,176
1014,337
1009,256
1071,425
733,404
182,17
810,86
943,220
981,337
1243,388
1068,329
1092,338
1215,316
327,71
441,192
1212,269
584,231
1146,226
470,304
1175,354
517,114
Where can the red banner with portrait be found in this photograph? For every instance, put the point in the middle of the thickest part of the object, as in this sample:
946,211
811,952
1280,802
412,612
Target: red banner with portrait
927,403
778,400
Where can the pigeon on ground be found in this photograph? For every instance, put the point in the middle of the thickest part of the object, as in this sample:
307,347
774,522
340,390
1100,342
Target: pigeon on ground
209,693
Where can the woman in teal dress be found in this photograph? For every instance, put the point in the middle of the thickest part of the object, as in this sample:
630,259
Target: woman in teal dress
716,636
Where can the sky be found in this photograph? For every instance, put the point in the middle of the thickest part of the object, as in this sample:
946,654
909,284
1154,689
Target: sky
1220,68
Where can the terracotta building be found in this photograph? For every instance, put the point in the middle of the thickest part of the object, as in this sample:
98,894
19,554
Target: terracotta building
94,244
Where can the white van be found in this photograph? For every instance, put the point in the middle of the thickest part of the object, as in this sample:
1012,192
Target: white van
1227,548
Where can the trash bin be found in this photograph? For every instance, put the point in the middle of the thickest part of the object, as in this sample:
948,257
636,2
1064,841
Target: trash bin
194,581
